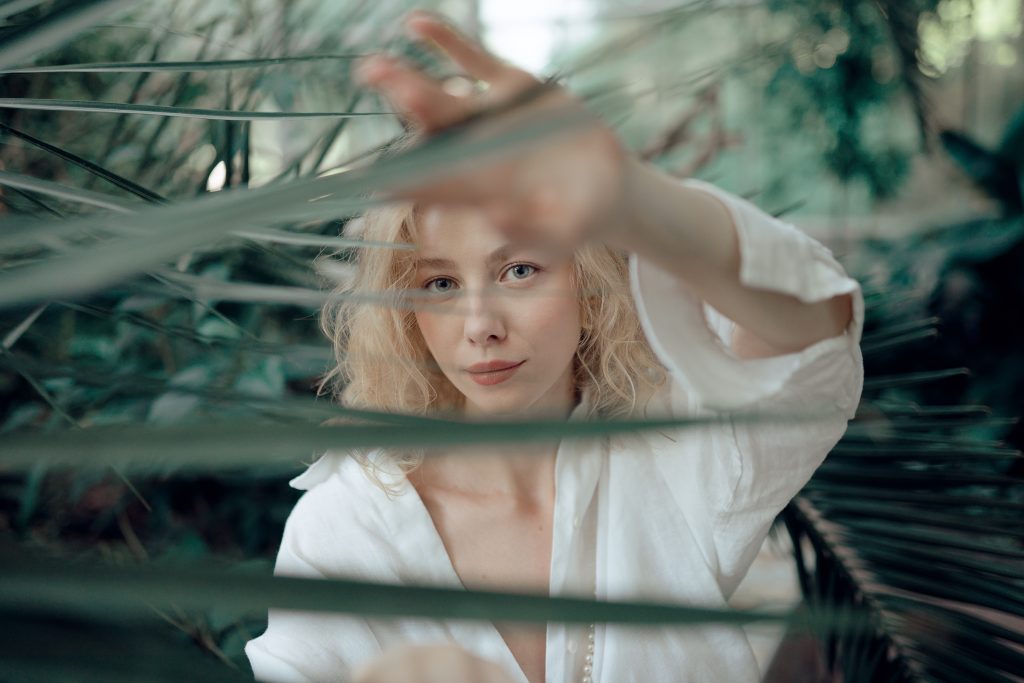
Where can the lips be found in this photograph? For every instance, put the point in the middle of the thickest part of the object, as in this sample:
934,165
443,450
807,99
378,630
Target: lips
493,372
492,366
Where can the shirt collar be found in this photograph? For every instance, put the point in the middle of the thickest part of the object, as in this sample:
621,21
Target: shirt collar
331,461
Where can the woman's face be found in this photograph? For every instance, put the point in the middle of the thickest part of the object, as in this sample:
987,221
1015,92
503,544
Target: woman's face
492,300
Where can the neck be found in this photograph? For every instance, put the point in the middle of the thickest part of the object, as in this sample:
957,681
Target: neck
521,472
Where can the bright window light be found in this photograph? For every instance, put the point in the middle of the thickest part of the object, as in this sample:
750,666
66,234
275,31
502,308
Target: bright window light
527,32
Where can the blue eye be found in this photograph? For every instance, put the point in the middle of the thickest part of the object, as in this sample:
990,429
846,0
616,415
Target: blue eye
519,267
441,290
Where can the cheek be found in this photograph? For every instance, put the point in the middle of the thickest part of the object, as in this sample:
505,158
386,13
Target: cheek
430,328
556,322
441,333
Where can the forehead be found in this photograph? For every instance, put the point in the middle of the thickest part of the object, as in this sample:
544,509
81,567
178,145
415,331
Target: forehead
451,236
442,230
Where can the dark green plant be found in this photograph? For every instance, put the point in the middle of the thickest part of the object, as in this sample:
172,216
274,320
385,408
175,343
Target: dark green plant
997,172
913,517
916,513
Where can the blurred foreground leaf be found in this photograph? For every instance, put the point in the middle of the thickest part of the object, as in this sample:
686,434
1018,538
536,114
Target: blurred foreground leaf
233,445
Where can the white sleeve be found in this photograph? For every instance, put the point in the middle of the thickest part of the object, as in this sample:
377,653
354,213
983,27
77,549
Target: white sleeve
746,473
307,647
774,255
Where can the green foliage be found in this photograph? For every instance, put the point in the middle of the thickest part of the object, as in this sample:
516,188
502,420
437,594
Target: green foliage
850,60
914,515
997,172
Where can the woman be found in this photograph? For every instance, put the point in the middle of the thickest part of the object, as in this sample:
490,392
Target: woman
567,280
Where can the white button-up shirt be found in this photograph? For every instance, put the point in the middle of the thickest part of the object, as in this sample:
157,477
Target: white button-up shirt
671,516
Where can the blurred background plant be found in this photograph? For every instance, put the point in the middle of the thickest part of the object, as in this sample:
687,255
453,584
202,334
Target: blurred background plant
170,173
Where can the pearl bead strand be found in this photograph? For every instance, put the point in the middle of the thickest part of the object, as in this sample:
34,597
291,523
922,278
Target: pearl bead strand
588,660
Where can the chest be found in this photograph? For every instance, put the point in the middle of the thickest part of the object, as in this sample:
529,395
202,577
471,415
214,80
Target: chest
492,548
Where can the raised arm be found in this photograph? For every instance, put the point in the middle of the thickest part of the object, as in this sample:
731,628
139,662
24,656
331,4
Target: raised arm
586,185
689,233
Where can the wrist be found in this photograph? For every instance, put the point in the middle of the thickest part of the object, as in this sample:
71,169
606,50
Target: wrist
685,231
622,215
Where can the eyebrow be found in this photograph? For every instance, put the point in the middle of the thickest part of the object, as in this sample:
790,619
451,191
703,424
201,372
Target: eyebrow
499,254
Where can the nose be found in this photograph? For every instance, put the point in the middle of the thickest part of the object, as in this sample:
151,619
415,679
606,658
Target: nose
485,320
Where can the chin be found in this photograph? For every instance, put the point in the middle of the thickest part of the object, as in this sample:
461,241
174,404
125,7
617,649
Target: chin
508,405
498,409
513,409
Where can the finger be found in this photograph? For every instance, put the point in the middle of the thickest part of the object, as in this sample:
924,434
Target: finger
398,665
494,673
416,97
468,181
464,51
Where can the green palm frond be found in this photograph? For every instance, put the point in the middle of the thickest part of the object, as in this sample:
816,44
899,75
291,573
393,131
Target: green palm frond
99,171
54,29
154,66
157,110
232,445
916,519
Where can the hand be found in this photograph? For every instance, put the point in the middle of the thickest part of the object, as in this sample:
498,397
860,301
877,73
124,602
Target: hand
562,189
446,663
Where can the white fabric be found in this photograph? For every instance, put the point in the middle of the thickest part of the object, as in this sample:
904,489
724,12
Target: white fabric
672,516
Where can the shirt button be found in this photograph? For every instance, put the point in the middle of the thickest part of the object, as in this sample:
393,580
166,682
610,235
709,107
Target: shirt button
576,522
571,647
